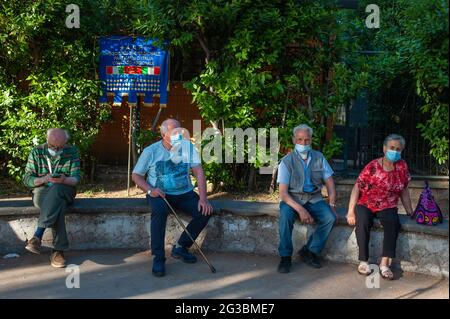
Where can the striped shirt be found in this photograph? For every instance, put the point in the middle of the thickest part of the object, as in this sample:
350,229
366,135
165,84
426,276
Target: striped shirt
67,163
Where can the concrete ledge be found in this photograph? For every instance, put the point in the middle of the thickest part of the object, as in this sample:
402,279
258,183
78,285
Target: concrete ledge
237,226
240,208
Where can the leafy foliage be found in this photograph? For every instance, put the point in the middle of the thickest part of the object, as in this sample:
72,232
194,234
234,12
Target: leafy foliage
48,74
267,64
413,45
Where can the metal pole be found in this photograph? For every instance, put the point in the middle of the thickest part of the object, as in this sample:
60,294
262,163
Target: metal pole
129,151
346,137
156,119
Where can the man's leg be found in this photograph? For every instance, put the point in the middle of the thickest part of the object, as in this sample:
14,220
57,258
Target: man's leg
52,202
188,203
158,233
158,226
34,244
285,227
65,194
324,219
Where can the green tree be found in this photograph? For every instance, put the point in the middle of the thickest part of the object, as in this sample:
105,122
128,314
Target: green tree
48,73
413,46
267,64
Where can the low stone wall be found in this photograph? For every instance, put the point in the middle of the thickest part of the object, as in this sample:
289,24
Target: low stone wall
236,226
90,223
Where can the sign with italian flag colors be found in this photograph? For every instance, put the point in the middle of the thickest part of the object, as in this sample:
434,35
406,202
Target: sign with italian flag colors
133,66
150,70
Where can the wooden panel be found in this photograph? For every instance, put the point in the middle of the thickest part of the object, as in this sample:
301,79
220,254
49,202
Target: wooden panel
111,145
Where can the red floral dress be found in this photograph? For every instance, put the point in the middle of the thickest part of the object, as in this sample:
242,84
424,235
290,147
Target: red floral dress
379,189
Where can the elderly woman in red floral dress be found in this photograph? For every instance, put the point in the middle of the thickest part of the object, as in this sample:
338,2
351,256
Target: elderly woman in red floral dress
375,195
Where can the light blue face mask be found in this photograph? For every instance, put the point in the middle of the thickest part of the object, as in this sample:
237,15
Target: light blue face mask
181,151
175,139
393,156
302,148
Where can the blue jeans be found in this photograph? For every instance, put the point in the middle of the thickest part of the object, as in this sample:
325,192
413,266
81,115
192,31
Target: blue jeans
324,219
188,203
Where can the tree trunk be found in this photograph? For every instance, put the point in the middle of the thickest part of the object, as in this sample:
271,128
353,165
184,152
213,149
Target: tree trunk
251,179
273,182
93,169
308,91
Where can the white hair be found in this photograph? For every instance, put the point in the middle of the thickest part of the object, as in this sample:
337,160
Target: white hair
51,130
395,137
302,127
164,126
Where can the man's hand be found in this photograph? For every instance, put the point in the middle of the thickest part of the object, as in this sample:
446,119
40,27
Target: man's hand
46,178
57,180
351,219
305,216
156,192
205,207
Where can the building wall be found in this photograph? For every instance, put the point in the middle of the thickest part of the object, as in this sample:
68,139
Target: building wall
111,145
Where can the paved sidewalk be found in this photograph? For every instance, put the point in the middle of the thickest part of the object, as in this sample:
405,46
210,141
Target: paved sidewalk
127,274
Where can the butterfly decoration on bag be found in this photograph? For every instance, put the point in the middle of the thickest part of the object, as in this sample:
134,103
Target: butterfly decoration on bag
427,211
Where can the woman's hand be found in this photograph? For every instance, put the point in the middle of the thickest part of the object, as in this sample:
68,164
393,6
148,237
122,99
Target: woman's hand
351,218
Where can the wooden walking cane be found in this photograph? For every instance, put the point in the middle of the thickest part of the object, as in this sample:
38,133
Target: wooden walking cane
213,270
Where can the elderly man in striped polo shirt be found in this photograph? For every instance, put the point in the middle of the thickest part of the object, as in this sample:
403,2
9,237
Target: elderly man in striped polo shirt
52,171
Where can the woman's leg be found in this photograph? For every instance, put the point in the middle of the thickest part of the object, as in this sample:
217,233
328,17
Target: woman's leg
364,222
391,226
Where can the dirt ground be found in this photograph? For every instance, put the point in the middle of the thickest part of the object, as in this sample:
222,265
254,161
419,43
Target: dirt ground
111,182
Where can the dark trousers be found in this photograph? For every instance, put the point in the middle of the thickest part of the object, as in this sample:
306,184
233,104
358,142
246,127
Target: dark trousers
188,203
364,222
52,202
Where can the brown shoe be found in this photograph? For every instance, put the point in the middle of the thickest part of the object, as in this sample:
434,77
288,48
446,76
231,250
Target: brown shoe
57,259
34,245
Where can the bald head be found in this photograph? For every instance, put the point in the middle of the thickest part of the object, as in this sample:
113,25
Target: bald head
167,126
57,138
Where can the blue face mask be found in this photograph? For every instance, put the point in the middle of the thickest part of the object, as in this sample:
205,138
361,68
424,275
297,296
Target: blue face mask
302,148
393,156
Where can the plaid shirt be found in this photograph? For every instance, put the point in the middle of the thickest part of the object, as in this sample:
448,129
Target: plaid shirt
67,163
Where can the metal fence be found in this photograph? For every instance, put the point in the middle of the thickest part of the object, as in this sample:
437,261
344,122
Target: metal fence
366,125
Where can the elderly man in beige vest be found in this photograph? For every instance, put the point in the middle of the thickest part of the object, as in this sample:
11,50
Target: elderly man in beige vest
301,175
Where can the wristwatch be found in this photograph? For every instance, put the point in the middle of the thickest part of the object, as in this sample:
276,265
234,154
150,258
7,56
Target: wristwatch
149,192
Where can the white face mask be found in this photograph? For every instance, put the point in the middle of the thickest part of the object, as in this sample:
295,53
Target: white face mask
54,153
